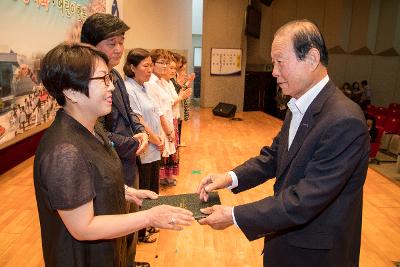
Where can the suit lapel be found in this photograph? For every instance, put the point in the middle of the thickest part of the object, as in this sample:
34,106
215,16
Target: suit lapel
119,99
284,139
307,123
119,103
304,127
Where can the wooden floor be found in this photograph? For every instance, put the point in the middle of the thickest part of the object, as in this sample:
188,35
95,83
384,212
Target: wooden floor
213,144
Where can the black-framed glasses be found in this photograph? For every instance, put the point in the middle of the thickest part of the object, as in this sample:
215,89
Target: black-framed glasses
108,78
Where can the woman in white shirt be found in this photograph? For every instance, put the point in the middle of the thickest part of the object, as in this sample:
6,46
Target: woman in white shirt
138,69
159,92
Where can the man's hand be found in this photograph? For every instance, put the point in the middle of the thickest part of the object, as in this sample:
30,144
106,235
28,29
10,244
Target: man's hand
143,142
219,218
137,196
213,182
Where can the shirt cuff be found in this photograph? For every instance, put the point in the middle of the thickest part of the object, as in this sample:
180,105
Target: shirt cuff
233,217
235,182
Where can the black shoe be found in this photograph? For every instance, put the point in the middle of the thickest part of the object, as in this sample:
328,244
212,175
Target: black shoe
153,230
142,264
147,239
171,181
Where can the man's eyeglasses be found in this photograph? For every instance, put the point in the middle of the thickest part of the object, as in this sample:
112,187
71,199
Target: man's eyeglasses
108,78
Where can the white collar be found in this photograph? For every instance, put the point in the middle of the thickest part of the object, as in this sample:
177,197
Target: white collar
302,104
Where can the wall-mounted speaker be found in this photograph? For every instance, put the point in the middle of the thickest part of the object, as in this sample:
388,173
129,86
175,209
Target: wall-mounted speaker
266,2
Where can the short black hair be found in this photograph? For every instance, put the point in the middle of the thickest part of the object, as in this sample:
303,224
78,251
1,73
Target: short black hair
69,66
364,82
100,26
306,35
134,57
354,85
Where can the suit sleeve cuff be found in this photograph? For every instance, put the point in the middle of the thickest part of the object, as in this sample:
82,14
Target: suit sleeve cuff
235,182
233,217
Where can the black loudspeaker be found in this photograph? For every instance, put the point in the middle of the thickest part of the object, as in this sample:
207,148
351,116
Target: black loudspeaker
266,2
224,110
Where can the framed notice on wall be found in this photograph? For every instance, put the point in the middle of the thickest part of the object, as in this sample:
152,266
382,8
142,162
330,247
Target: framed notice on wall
226,61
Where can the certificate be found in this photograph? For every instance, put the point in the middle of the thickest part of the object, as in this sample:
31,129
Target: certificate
187,201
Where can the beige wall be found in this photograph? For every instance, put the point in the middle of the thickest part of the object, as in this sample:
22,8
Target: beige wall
223,27
159,24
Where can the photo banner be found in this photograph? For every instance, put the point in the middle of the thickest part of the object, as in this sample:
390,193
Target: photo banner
30,28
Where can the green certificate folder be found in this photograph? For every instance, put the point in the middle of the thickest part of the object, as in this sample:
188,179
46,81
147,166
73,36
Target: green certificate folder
186,201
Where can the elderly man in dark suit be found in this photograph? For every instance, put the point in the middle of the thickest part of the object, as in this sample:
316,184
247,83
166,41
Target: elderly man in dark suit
319,159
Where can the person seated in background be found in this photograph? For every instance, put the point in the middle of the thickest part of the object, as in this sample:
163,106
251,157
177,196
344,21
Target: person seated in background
346,89
78,176
371,123
366,95
356,92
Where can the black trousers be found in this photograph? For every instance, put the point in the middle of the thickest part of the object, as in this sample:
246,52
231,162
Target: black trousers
179,130
131,239
149,178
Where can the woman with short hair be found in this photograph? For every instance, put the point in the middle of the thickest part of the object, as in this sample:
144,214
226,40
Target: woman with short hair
158,90
78,176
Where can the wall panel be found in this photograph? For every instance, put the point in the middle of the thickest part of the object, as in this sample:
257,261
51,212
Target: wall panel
382,84
337,22
388,34
364,22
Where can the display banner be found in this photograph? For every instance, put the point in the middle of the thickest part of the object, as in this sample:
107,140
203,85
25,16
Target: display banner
30,28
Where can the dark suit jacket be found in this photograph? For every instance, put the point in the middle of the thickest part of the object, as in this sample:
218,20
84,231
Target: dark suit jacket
122,123
314,217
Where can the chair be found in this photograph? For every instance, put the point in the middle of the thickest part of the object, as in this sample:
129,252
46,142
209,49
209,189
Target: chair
371,110
393,113
380,120
394,146
391,125
374,147
381,111
394,105
390,128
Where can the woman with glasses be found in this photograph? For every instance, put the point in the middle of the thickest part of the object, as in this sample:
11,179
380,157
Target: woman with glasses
78,176
107,33
138,68
158,91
